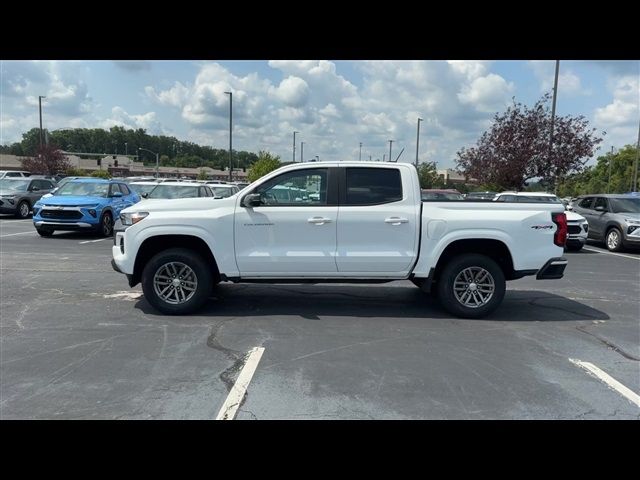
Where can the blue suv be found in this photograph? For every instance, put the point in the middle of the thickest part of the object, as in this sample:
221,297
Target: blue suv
83,204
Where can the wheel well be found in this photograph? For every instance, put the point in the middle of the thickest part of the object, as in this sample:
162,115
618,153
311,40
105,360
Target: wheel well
494,249
156,244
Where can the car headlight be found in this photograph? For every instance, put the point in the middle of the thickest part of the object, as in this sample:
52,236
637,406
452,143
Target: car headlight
129,219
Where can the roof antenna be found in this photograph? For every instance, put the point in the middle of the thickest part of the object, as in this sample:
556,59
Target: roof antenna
396,160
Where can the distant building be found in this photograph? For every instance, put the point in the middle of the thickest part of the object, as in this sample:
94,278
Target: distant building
451,177
126,166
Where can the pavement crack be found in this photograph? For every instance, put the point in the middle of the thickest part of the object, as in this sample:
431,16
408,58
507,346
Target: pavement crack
609,344
229,375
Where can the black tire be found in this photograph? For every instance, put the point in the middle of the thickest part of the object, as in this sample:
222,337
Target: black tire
44,232
613,233
106,224
199,266
455,266
23,210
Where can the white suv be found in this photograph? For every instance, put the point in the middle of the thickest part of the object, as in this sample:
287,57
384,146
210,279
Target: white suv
577,224
14,174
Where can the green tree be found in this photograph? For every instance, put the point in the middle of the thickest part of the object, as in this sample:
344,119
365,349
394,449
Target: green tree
202,175
266,163
75,172
427,174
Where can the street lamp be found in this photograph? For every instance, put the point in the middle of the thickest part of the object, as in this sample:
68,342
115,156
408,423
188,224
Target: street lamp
157,158
390,143
301,152
360,153
230,135
294,146
418,141
40,97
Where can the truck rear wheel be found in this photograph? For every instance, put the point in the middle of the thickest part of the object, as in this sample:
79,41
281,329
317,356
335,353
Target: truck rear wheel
471,286
177,281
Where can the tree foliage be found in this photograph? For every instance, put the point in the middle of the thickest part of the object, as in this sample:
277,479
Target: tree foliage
428,175
202,175
101,174
266,163
595,179
516,147
96,140
48,160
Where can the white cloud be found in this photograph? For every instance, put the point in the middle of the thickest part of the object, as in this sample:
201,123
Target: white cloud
620,117
174,97
568,82
119,117
293,91
487,94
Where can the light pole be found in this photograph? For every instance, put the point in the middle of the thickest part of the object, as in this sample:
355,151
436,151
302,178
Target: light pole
635,168
610,163
230,134
360,154
418,141
294,146
157,158
301,152
126,150
390,142
40,97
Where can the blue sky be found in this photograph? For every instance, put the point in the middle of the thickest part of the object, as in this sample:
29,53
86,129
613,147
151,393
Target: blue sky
333,104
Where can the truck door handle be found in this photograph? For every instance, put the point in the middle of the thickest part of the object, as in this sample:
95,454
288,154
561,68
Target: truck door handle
395,220
319,220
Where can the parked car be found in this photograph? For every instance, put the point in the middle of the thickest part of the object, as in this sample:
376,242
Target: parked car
14,174
577,225
368,223
436,195
168,190
480,195
19,194
83,204
613,219
221,190
143,187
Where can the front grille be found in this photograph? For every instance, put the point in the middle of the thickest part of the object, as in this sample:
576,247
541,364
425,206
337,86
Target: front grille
574,229
61,214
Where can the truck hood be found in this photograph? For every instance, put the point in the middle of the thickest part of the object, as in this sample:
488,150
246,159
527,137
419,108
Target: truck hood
179,204
574,217
75,200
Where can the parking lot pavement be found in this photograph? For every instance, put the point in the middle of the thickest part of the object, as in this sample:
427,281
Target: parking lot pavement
76,342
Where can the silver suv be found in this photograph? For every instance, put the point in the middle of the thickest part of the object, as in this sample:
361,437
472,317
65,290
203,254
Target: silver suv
613,219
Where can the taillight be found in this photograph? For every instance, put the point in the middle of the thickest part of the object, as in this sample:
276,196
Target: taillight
560,237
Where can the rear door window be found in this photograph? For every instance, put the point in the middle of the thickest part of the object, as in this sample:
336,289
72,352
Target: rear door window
586,202
372,186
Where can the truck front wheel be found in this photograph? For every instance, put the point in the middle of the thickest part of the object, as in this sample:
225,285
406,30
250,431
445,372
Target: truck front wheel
177,281
471,286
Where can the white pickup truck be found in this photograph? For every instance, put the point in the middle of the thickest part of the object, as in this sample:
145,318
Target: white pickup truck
342,222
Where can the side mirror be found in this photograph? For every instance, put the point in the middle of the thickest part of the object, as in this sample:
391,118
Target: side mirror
35,189
600,208
252,200
116,194
145,195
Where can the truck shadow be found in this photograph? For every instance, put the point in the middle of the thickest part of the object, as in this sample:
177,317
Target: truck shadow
314,301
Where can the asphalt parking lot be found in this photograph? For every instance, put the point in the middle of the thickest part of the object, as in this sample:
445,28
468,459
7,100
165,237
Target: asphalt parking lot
76,343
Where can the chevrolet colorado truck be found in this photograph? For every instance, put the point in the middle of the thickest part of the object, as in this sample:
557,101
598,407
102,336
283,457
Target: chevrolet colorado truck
340,222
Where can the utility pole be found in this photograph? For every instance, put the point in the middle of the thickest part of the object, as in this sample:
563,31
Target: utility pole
390,142
384,156
553,117
230,135
369,157
294,146
40,97
360,154
610,163
418,141
126,150
301,152
635,168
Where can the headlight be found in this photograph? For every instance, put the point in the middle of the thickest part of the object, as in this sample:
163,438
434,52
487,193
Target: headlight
129,219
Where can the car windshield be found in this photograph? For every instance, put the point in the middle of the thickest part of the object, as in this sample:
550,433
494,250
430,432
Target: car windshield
140,189
174,191
17,185
83,189
441,196
223,192
625,205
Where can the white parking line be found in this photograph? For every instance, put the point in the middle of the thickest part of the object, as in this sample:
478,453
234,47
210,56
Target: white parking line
236,394
609,380
611,253
20,233
98,240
